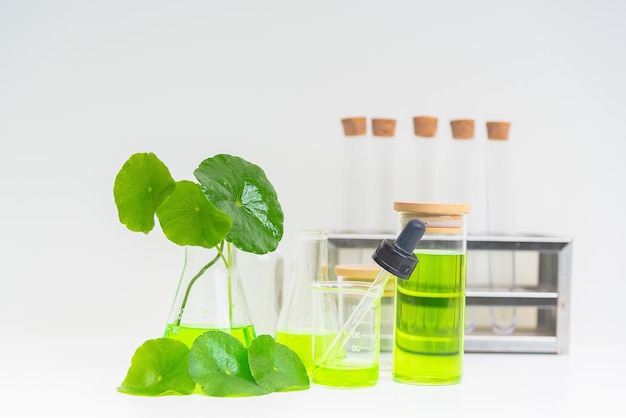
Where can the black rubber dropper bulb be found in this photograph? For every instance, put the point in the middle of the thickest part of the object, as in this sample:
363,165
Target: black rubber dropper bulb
397,256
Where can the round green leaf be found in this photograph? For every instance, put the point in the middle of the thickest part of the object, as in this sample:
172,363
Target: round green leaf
218,362
275,366
159,367
141,185
188,218
242,190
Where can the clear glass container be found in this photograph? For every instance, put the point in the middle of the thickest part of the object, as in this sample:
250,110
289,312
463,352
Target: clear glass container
430,304
210,296
366,273
354,362
309,264
501,220
465,155
351,190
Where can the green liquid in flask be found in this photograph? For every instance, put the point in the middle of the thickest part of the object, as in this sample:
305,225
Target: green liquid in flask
302,344
188,334
430,321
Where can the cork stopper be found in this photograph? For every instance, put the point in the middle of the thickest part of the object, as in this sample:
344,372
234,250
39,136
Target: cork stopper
462,128
354,126
498,130
383,127
425,126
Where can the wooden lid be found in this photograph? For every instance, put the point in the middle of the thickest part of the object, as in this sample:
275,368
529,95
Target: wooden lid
439,218
433,208
354,126
462,128
383,127
425,126
498,130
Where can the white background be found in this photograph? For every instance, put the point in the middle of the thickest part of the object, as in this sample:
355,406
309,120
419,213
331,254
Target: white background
83,85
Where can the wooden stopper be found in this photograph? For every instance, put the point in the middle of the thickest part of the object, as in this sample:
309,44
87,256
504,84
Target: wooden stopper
462,128
498,130
383,127
354,126
425,126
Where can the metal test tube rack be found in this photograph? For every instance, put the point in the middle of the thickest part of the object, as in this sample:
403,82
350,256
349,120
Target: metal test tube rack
550,295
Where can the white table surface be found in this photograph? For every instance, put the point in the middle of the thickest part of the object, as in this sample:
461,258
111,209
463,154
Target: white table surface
74,376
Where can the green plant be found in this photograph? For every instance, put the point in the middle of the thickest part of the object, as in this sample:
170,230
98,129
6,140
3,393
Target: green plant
232,201
218,364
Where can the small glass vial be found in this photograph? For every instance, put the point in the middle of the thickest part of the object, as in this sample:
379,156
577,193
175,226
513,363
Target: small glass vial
366,273
430,305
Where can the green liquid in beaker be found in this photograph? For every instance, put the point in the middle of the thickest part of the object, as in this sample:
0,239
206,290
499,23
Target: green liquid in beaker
345,375
188,334
430,321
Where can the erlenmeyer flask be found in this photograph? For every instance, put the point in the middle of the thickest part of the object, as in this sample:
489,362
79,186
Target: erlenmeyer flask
210,296
308,265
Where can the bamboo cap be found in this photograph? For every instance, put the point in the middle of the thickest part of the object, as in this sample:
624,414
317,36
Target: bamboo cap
354,126
425,126
439,218
498,130
462,128
383,127
433,208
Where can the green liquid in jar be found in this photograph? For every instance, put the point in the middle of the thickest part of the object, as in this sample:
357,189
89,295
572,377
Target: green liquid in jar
188,334
430,321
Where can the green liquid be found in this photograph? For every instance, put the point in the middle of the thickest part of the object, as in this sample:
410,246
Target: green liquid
302,345
345,375
188,334
430,321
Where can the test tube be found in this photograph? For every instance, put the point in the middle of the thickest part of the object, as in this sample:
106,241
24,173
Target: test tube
351,188
427,158
381,182
501,220
466,161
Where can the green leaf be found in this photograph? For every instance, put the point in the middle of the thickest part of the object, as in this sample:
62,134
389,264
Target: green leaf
159,367
242,190
275,366
188,218
141,185
218,362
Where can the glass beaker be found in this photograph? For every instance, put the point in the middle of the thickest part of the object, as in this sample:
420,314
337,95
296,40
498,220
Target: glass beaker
357,364
309,264
210,297
430,304
366,273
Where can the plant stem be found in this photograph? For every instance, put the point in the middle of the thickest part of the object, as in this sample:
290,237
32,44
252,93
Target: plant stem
197,276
